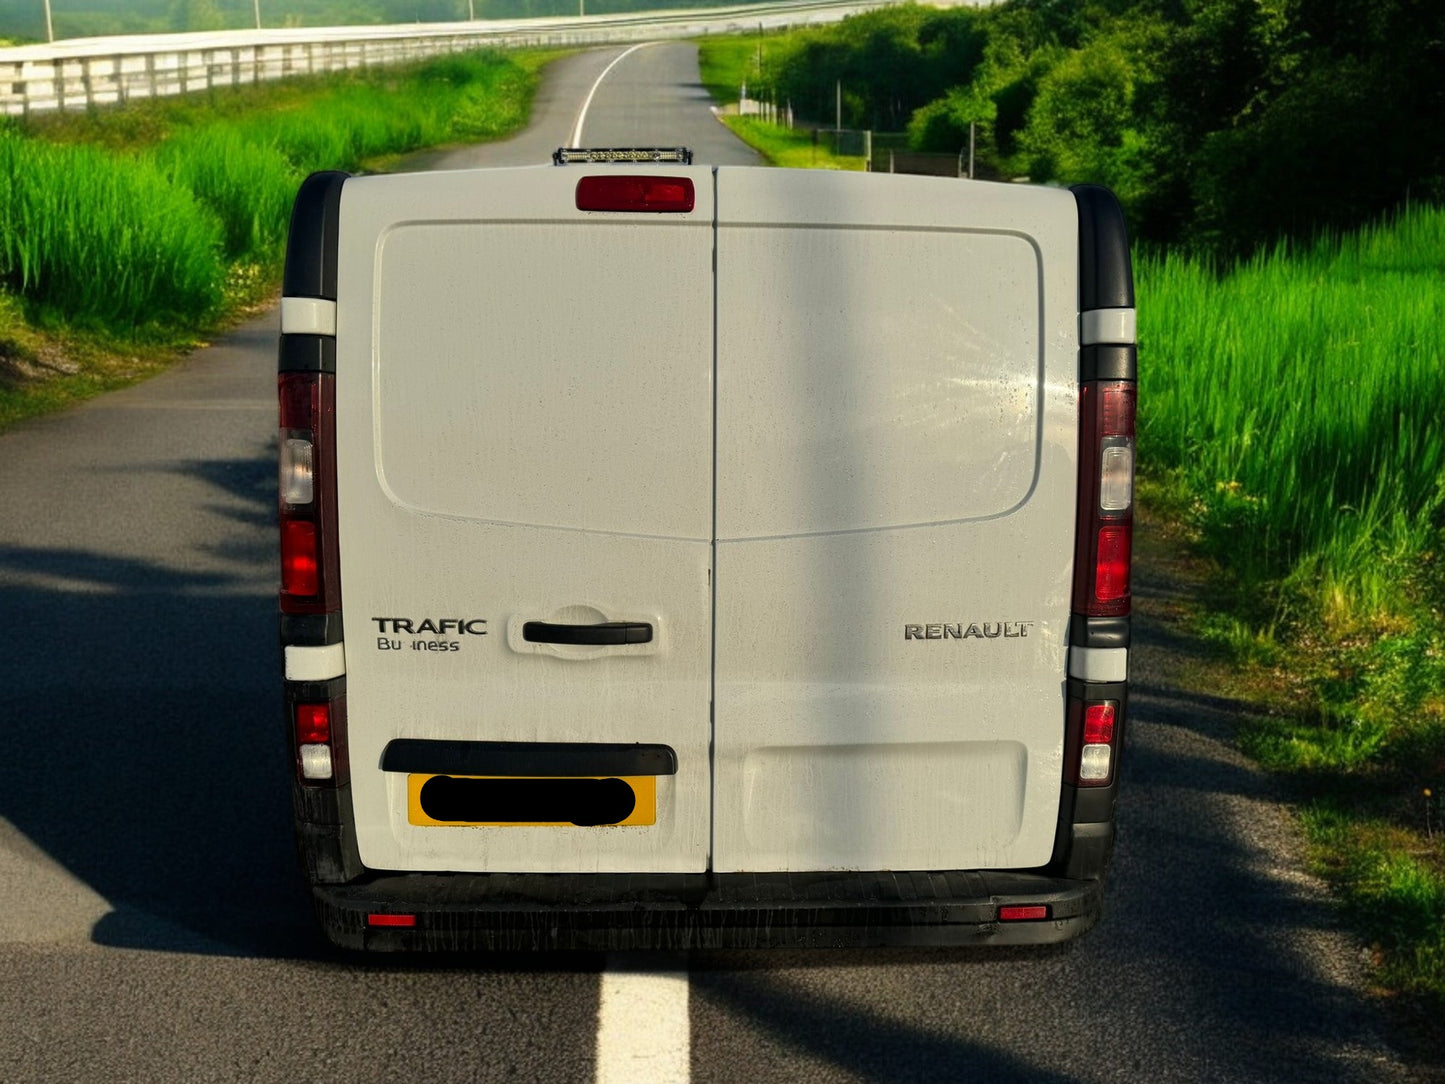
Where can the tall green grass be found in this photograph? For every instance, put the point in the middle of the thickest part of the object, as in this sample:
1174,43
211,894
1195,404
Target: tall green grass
121,238
102,240
1299,398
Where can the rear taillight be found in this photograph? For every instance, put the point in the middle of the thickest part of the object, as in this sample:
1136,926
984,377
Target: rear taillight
318,731
1093,741
309,568
1106,498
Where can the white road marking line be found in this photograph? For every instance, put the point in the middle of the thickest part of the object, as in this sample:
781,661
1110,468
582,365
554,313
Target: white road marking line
587,102
642,1027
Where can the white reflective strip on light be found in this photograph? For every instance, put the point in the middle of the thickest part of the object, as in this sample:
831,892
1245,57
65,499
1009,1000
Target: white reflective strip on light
1096,663
315,663
308,316
642,1023
316,761
1093,763
297,474
1116,477
1100,326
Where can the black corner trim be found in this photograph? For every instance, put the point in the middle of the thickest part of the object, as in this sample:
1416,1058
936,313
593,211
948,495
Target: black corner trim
1106,279
312,245
525,758
307,354
1109,363
310,630
299,692
1098,631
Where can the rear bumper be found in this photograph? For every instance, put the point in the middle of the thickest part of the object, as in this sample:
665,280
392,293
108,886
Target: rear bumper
603,912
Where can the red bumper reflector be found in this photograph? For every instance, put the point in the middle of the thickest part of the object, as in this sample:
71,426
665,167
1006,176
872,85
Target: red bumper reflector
627,193
391,920
298,558
1022,914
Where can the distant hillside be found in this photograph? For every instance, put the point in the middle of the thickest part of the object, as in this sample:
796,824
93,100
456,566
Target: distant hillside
24,20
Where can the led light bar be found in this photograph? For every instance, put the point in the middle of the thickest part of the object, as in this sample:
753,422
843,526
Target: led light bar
563,155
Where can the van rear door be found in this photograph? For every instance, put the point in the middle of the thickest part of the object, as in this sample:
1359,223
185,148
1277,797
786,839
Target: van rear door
525,437
896,487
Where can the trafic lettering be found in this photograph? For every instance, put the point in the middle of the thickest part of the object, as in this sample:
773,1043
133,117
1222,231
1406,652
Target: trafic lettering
457,626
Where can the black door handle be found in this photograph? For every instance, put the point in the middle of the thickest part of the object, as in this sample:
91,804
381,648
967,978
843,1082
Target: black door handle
609,632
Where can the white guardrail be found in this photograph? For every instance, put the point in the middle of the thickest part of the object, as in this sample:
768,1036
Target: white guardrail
84,72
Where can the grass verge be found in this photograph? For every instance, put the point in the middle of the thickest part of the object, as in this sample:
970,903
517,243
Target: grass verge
1289,415
728,64
128,235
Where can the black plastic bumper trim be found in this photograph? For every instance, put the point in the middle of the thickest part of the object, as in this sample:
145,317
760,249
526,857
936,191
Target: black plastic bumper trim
511,912
1098,631
431,757
310,630
1108,363
307,354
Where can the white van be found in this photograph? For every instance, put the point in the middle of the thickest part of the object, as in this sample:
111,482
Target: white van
678,556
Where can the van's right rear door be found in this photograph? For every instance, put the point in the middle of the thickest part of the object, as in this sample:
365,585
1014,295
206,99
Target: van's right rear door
896,491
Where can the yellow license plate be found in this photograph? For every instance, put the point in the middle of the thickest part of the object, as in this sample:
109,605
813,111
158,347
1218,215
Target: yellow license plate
496,801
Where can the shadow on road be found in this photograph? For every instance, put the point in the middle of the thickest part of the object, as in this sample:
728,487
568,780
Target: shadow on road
143,745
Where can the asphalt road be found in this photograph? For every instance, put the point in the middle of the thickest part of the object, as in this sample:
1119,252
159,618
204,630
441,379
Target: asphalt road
153,925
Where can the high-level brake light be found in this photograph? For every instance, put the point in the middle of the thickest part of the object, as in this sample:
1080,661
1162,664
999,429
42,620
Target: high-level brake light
623,192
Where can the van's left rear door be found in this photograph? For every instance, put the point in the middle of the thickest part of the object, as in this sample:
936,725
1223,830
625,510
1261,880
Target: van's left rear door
525,434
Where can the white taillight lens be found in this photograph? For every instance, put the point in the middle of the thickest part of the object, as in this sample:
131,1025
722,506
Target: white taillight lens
315,761
298,472
1116,477
1094,763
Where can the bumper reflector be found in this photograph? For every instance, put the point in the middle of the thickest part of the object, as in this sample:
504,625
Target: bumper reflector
1031,913
394,921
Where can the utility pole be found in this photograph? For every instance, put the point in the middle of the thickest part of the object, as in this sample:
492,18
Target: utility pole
970,150
838,102
256,4
471,11
49,30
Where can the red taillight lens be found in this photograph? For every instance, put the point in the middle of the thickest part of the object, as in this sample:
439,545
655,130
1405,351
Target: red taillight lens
313,723
299,407
627,193
1098,724
1111,564
300,573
